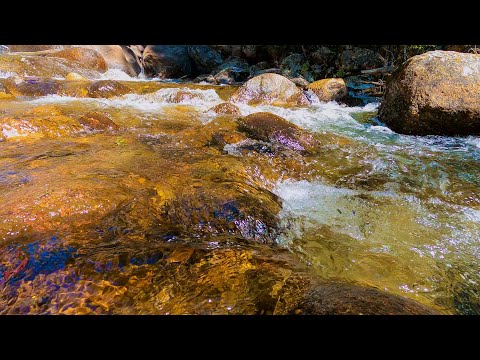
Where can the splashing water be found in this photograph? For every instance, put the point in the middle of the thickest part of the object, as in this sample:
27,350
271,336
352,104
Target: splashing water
400,213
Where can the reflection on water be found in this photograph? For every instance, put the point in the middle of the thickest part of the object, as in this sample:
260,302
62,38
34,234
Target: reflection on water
178,211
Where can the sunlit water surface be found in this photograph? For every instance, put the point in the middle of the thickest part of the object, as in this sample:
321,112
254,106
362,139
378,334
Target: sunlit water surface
153,218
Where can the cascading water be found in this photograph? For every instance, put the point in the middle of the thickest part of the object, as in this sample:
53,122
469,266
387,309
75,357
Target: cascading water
399,213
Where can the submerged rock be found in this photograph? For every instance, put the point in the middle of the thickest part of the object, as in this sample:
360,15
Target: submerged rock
167,61
225,108
217,133
56,126
43,121
38,208
97,121
44,110
435,93
268,127
346,299
4,93
269,89
107,89
218,210
329,89
32,87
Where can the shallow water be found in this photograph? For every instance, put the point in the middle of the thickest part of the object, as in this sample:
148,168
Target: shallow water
159,217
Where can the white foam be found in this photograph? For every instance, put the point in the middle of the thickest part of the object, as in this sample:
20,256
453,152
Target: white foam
475,141
471,214
120,75
202,100
467,71
117,74
6,74
382,129
318,117
316,203
9,133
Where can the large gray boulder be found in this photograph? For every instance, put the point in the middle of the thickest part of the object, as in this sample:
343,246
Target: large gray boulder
436,93
206,59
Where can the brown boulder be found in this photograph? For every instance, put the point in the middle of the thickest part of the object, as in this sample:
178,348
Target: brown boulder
268,127
107,89
34,48
42,65
329,89
435,93
86,58
118,57
225,109
269,89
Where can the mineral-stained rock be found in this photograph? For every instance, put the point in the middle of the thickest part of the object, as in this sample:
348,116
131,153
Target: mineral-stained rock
225,108
107,89
268,127
97,121
434,93
329,89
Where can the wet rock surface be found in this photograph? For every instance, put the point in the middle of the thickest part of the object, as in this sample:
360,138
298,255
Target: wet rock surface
272,128
107,89
172,200
345,299
233,71
329,89
86,58
269,89
225,108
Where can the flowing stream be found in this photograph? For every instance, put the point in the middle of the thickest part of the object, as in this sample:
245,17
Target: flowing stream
156,217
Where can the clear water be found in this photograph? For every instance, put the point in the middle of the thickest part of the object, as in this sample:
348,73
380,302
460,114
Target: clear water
139,220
